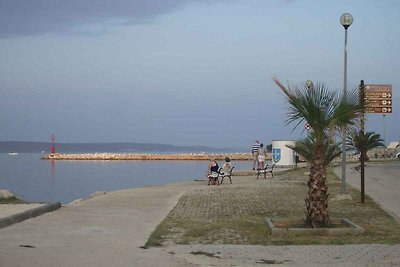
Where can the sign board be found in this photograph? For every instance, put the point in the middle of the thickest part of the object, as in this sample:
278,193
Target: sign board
276,154
378,98
378,110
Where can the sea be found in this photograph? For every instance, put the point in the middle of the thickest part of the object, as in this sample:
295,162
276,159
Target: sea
32,179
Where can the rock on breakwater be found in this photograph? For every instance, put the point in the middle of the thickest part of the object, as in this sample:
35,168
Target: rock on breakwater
138,156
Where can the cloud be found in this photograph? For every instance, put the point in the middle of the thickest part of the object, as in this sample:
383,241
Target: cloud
37,17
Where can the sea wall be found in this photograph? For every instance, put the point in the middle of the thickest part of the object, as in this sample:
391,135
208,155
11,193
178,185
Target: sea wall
138,156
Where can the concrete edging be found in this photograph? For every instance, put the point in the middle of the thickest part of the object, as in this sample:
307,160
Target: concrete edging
25,215
350,228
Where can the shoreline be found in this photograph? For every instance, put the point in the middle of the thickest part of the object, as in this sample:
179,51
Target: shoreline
111,176
131,189
139,156
186,183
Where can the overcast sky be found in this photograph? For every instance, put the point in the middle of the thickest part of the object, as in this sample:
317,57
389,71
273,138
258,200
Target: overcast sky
183,72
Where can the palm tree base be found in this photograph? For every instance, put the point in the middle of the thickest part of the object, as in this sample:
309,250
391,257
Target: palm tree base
338,226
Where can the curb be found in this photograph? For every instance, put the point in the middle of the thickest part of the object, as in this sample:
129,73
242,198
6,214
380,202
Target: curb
348,228
25,215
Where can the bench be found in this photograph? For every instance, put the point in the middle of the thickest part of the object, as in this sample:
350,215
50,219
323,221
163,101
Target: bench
229,174
213,178
267,169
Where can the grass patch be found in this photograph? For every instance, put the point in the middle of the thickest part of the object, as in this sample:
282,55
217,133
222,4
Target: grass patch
235,214
158,236
11,200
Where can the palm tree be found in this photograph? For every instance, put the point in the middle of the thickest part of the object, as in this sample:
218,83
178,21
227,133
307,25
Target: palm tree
305,148
370,141
324,111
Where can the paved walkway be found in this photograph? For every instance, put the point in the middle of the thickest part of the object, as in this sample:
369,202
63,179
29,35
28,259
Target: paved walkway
332,256
109,229
382,183
10,209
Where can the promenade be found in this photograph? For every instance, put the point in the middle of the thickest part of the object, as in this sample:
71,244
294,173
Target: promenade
382,184
110,229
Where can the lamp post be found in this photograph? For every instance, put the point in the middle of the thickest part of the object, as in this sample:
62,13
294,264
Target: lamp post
346,20
309,84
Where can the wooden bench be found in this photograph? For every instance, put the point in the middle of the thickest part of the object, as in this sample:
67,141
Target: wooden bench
268,169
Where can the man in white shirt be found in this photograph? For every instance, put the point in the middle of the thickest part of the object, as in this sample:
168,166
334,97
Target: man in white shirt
254,153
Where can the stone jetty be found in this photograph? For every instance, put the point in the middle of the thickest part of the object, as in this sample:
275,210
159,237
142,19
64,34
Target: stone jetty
139,156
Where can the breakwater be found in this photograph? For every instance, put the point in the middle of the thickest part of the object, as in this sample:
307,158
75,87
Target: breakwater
138,156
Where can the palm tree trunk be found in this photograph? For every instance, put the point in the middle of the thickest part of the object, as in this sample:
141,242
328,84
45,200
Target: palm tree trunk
317,201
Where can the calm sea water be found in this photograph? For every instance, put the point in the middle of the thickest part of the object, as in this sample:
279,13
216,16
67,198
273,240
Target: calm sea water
36,180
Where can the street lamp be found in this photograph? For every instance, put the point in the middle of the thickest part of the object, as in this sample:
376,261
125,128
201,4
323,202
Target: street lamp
309,84
346,20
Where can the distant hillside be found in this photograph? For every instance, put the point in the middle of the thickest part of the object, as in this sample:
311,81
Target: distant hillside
37,147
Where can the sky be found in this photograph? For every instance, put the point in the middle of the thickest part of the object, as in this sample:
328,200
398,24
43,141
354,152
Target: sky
184,72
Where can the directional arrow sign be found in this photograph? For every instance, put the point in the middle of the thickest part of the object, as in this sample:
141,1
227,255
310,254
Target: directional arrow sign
378,95
376,103
387,102
382,110
378,98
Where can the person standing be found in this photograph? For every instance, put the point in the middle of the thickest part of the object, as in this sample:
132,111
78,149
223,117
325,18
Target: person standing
262,152
254,153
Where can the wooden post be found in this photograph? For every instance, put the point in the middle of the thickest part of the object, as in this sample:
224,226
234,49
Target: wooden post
362,135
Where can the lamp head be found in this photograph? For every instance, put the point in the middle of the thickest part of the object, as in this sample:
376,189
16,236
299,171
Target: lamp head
346,20
309,84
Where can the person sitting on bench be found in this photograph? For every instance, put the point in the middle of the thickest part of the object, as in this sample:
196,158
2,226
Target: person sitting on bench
212,172
226,170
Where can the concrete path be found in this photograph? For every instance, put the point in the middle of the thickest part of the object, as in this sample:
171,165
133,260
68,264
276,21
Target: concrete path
107,230
310,255
382,183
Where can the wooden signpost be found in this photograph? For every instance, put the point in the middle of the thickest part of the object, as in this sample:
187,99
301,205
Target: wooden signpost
374,98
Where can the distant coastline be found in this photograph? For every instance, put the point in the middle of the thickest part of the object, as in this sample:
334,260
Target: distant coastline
45,147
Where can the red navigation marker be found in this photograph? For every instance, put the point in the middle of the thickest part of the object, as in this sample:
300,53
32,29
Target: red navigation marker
53,148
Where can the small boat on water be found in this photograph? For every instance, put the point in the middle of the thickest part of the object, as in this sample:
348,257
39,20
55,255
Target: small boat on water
12,153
